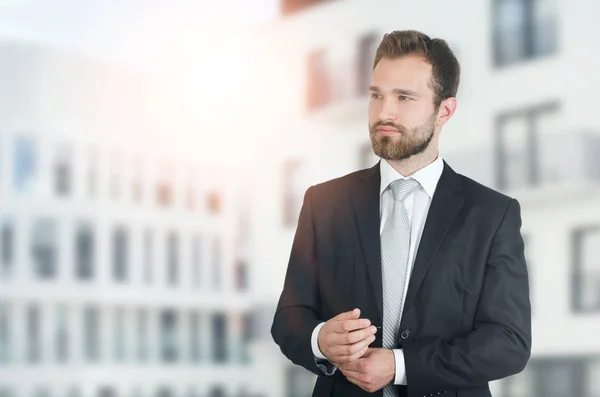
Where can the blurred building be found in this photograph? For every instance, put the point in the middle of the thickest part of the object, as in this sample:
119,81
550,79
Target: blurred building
525,125
122,268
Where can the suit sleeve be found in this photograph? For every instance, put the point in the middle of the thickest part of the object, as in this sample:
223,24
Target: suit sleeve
500,343
298,309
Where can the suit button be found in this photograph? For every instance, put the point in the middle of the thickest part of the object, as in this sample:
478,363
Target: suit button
405,334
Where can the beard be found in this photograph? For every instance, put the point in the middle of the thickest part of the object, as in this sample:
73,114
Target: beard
407,143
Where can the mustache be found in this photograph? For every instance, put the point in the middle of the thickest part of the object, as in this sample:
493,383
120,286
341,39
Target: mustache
399,127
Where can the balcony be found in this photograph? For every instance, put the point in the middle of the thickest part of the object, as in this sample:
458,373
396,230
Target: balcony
337,93
551,165
289,7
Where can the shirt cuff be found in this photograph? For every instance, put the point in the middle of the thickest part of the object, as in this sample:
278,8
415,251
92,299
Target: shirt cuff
314,341
325,367
400,378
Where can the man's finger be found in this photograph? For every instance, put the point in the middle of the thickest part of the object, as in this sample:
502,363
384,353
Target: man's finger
343,359
345,326
361,334
350,350
352,314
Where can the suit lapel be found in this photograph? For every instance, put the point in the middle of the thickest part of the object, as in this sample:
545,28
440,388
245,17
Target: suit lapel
447,202
365,196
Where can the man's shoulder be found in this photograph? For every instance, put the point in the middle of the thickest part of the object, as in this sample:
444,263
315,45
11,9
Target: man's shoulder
480,194
339,184
333,190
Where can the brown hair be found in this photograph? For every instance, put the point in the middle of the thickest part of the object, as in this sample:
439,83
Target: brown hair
436,52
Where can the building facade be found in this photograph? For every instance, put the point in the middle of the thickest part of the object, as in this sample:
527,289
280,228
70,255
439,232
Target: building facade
525,125
122,268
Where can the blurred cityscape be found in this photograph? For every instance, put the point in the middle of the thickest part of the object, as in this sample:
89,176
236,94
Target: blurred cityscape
132,265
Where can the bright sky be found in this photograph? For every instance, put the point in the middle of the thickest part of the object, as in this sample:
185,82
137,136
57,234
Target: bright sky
199,45
132,30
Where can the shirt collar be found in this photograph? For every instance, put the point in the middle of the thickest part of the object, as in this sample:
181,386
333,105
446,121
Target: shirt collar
427,176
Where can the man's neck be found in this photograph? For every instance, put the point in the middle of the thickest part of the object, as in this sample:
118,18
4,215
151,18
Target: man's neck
414,163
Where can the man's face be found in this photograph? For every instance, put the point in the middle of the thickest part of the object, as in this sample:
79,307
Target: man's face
402,115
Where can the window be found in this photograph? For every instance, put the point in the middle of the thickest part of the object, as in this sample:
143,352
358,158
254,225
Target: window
216,260
214,202
7,246
247,333
519,160
42,392
116,169
119,334
84,251
241,275
25,165
164,391
172,258
317,90
523,29
148,255
367,47
593,379
196,260
62,334
107,391
120,254
5,339
586,270
168,336
219,334
555,377
6,392
164,186
92,173
44,248
91,337
142,335
62,171
292,192
195,347
137,184
216,391
190,191
34,342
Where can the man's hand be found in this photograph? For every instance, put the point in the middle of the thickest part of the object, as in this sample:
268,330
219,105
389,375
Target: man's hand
345,337
373,371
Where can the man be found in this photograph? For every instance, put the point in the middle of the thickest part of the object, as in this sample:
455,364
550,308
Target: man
407,279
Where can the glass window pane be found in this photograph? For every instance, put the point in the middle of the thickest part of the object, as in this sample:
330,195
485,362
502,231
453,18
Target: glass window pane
25,165
4,333
62,334
44,248
172,258
515,142
169,336
63,171
84,251
7,246
91,326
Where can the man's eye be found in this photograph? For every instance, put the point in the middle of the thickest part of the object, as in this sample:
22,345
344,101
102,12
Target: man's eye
404,98
375,95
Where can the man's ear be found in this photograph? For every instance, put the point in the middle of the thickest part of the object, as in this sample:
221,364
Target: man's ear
446,110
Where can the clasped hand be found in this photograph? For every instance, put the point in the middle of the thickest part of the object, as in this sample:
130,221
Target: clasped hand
345,341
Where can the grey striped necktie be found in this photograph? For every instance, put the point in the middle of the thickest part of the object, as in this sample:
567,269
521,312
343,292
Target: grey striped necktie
395,243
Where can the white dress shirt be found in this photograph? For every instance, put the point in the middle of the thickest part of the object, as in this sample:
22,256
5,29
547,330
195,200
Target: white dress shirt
417,207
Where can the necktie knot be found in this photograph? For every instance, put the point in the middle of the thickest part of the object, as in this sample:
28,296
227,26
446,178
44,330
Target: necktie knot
402,188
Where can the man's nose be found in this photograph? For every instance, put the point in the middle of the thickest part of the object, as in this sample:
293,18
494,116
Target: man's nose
387,112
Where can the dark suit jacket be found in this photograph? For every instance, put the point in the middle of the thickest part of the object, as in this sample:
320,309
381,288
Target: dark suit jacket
467,316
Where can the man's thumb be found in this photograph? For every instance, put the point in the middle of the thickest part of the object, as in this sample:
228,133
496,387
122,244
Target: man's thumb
351,315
